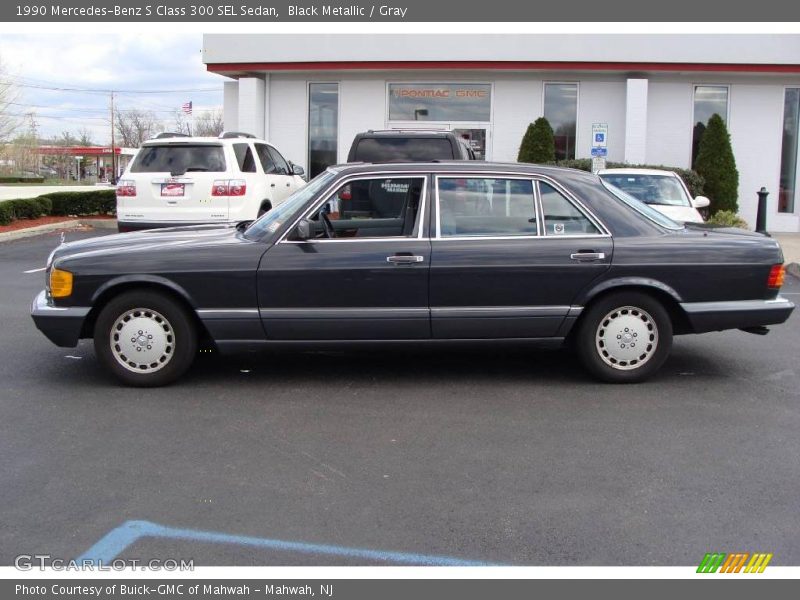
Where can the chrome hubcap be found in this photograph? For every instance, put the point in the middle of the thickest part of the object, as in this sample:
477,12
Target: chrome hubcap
626,338
142,340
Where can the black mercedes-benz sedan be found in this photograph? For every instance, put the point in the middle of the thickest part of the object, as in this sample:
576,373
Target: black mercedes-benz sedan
417,253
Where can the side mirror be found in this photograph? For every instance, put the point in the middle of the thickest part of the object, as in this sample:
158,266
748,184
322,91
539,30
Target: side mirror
297,170
701,202
303,230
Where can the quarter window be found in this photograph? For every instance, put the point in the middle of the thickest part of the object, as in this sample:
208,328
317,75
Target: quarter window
371,208
244,156
561,217
486,207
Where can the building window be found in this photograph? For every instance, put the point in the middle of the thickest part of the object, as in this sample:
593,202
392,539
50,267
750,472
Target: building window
323,126
461,102
561,111
708,100
791,128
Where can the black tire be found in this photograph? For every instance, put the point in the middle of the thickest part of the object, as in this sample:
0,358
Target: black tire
604,344
175,338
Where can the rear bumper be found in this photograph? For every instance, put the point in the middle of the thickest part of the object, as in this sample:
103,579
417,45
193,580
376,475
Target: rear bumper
62,326
716,316
124,226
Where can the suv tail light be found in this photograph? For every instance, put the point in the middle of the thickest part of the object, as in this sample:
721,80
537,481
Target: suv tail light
126,187
776,276
229,187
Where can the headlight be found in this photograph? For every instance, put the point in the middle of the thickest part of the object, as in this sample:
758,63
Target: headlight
60,283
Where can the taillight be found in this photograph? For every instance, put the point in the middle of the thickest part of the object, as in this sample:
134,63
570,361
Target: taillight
776,276
229,187
126,187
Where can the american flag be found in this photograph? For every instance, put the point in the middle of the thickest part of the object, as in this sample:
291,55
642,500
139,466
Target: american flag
186,107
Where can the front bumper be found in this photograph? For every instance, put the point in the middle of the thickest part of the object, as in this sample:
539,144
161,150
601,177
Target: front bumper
61,325
737,314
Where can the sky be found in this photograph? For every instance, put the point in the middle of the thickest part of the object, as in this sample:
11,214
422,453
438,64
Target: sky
127,63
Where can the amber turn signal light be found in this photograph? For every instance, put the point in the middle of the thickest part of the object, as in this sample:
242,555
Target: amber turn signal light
60,283
776,276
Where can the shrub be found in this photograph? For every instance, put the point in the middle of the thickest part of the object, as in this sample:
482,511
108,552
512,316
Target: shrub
693,180
538,144
727,218
20,179
94,202
28,208
716,163
6,213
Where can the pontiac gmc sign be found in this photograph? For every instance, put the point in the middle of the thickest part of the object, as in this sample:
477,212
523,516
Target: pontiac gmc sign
440,101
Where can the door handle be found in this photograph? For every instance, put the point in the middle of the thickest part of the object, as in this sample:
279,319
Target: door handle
587,255
404,259
272,185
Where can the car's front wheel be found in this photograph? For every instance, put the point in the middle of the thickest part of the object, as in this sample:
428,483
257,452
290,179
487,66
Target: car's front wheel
624,337
145,338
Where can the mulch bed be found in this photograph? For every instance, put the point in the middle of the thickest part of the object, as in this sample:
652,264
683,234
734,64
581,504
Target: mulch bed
28,223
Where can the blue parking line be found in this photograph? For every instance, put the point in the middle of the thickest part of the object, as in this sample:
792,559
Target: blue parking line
117,540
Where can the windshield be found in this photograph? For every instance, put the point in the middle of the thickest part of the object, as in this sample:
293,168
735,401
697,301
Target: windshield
271,221
664,190
642,208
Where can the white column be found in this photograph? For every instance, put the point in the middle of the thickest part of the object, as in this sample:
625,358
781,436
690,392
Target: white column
636,121
230,106
251,105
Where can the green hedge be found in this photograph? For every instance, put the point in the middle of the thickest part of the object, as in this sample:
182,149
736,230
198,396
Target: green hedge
19,179
95,202
66,204
693,180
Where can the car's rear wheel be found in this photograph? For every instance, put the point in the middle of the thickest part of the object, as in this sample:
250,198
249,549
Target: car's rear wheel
624,337
145,338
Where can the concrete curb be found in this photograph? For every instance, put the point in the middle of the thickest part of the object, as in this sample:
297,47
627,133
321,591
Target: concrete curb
71,224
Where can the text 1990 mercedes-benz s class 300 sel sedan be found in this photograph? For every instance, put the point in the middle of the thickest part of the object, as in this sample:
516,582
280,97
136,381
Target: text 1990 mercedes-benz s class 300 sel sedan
424,253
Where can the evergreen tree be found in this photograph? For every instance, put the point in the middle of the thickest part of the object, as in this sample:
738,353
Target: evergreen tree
538,144
717,165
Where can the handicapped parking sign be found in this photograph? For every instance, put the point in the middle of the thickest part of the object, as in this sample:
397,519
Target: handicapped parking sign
599,137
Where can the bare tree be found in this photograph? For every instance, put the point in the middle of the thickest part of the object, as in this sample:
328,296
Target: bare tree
209,124
9,94
85,137
135,126
24,150
181,123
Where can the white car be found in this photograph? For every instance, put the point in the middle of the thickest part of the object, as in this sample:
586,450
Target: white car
663,190
179,180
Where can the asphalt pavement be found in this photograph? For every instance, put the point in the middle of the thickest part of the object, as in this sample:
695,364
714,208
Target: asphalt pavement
396,458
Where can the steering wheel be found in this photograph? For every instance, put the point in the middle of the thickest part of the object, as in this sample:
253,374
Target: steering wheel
330,232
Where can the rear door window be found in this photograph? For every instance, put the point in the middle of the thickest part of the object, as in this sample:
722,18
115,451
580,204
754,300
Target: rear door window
179,159
387,149
266,160
244,156
486,207
280,163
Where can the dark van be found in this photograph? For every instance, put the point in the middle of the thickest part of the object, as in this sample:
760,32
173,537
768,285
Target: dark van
404,145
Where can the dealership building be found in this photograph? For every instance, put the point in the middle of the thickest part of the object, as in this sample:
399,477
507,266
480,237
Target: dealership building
311,94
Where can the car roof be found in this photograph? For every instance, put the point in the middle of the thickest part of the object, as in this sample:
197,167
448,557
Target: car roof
625,171
217,141
406,132
462,166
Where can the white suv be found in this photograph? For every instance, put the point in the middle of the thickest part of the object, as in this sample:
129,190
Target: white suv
179,180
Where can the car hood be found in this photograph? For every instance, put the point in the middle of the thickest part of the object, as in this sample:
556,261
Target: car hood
187,237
